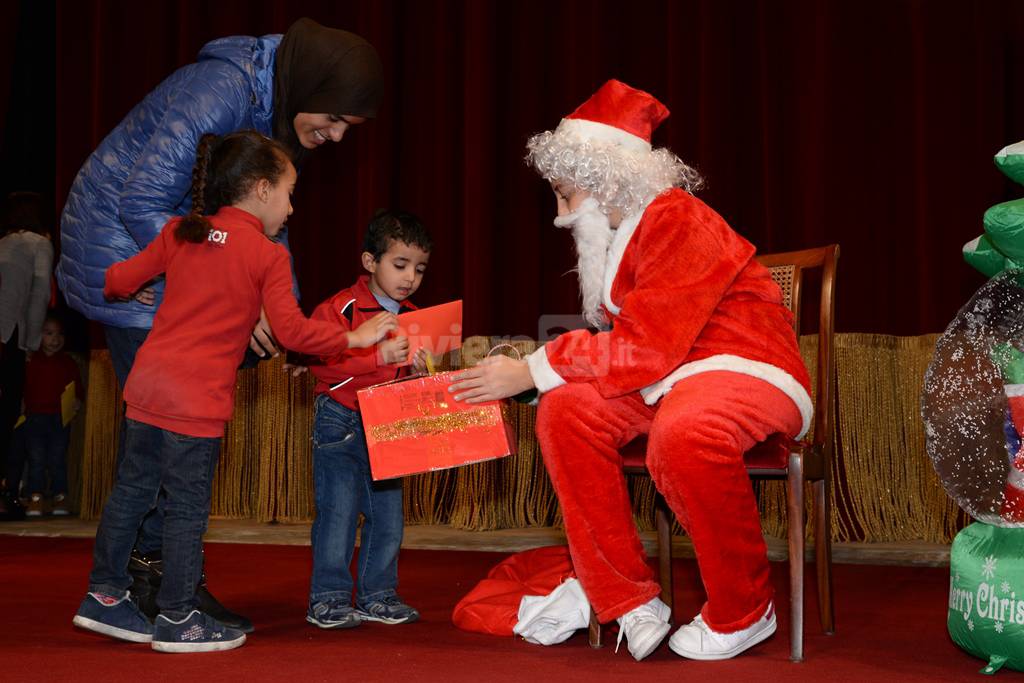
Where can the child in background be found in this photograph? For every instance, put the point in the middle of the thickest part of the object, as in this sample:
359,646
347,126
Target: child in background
47,373
26,266
397,248
219,269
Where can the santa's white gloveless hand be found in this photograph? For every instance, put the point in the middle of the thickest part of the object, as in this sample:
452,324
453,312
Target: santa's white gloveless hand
493,378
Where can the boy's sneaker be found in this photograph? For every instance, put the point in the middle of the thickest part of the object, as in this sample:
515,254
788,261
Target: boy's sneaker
35,506
696,640
60,506
388,610
644,628
198,632
115,617
333,614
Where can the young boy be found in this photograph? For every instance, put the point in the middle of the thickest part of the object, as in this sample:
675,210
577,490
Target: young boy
397,248
47,374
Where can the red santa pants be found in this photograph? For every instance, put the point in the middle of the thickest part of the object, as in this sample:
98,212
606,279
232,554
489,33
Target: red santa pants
698,434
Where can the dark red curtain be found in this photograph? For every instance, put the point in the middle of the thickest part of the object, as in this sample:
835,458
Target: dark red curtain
871,123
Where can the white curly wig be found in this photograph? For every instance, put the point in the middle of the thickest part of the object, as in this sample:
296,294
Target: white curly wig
617,176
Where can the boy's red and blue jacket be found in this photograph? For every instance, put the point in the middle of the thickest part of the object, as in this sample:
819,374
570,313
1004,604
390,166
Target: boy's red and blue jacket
341,376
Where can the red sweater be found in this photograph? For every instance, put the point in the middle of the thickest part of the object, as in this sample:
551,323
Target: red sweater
183,378
357,368
45,380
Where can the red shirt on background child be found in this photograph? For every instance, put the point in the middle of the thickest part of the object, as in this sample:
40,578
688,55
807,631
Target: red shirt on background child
46,377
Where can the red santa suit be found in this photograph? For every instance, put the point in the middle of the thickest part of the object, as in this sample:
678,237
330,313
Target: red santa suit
701,356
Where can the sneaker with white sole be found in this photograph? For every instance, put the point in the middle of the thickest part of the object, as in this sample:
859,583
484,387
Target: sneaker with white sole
334,613
644,628
198,632
388,610
35,506
60,506
114,617
697,640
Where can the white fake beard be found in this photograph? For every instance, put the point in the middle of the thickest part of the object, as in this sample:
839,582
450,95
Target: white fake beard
593,235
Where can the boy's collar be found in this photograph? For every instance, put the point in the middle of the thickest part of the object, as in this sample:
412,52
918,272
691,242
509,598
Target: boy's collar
367,302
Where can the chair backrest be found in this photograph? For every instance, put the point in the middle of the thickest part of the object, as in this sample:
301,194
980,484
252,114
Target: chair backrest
787,270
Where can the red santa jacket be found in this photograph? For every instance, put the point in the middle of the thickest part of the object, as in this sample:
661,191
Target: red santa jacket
686,296
183,378
341,376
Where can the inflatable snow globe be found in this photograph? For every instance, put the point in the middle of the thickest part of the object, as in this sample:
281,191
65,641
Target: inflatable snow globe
973,411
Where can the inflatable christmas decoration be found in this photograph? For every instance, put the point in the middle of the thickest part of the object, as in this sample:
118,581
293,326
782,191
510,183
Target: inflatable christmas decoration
973,410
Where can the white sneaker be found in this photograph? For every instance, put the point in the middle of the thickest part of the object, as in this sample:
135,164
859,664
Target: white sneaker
644,628
696,640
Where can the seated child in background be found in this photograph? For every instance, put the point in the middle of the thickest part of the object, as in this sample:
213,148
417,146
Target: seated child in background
397,248
47,373
220,269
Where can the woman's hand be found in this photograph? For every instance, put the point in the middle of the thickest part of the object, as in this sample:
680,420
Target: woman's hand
261,341
372,331
493,378
146,296
295,370
393,350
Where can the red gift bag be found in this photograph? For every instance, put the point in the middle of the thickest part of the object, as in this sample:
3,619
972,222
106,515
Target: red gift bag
415,425
493,604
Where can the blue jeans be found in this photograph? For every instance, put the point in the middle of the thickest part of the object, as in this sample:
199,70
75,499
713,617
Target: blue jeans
344,488
183,467
47,440
124,343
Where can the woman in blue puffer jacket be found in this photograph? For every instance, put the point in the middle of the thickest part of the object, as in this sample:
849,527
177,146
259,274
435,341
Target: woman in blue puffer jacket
304,89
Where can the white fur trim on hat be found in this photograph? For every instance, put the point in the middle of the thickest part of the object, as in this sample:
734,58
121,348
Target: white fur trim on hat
592,130
777,377
544,376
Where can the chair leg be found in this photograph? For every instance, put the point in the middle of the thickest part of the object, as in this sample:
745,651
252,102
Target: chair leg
664,523
795,504
823,554
594,631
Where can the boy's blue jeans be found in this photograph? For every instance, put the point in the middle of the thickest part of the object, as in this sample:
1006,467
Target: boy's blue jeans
47,443
344,488
183,466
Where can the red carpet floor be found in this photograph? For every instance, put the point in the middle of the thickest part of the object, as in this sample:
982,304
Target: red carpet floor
891,627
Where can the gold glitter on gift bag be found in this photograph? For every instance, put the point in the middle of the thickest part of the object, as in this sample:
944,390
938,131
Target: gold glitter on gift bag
436,424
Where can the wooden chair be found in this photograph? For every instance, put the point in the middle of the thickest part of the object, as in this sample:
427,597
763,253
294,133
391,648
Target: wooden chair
779,457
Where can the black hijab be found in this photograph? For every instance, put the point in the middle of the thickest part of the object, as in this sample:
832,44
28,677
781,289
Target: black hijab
322,70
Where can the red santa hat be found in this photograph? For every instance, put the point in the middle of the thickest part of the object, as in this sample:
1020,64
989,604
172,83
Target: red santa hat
617,114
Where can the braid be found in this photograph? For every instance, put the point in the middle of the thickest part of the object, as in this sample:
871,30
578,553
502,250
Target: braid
195,227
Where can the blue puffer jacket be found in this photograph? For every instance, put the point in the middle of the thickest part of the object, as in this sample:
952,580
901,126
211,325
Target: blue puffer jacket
139,177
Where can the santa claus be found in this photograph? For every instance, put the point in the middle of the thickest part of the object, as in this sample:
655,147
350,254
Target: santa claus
694,348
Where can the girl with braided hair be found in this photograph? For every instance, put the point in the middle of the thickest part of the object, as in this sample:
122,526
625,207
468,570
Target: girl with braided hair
305,88
220,267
